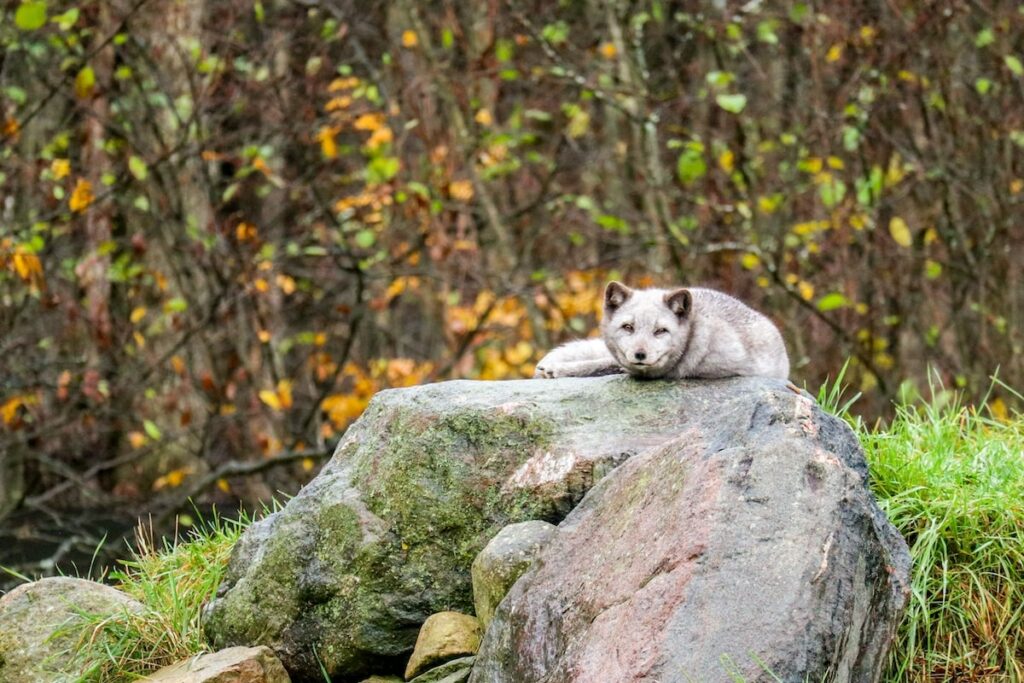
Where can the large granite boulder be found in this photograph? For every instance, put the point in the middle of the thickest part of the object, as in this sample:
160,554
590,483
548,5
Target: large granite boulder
344,575
38,625
746,548
348,570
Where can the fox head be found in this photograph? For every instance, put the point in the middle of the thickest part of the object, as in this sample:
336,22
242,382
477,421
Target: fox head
647,330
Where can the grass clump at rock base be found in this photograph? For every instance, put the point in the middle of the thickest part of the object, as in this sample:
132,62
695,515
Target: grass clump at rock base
951,479
173,583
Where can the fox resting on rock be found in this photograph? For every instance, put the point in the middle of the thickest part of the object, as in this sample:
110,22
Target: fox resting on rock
673,334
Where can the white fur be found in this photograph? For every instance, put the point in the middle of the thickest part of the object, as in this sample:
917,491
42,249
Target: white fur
673,334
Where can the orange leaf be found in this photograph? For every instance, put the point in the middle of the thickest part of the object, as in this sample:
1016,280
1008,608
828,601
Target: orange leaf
81,196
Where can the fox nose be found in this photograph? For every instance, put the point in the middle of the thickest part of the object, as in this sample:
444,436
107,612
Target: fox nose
640,355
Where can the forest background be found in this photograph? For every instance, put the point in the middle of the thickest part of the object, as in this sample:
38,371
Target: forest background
225,225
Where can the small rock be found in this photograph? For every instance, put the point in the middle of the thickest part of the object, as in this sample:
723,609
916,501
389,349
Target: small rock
508,555
32,612
444,636
233,665
383,679
455,671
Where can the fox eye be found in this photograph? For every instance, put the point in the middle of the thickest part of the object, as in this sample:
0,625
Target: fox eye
627,327
660,331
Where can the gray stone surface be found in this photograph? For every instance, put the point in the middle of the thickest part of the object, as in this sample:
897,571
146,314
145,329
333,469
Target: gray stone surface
455,671
233,665
386,534
747,544
503,560
31,650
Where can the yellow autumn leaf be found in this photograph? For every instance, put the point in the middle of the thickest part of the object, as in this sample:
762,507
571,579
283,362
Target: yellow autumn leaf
245,232
28,266
519,354
137,439
223,485
608,50
338,103
328,146
137,314
9,410
81,196
343,408
727,161
998,409
461,190
260,164
380,137
263,336
286,283
835,53
343,84
806,290
60,168
483,117
370,122
900,232
178,364
1016,186
308,464
750,261
260,284
172,479
813,165
410,39
279,399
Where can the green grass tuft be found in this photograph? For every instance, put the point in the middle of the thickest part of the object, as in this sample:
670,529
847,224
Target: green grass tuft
173,583
952,481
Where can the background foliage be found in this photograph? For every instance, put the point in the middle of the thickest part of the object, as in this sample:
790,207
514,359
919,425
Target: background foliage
225,225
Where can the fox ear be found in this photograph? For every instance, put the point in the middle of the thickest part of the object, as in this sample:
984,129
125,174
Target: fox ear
615,294
679,302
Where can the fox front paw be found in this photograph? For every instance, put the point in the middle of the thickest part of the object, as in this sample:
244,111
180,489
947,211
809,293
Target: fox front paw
545,372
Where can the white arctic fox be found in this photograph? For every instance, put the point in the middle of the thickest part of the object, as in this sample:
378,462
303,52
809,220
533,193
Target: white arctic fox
687,332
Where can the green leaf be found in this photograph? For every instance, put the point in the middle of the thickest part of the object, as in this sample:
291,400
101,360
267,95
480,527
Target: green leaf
1014,65
832,192
176,305
982,85
732,103
365,238
691,165
138,167
67,20
381,170
30,15
831,302
152,430
613,223
556,33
